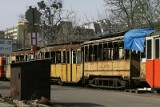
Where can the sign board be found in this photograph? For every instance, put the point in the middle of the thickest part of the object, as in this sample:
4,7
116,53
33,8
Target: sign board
33,15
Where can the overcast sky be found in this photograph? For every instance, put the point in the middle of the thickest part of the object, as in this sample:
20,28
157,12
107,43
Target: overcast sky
11,9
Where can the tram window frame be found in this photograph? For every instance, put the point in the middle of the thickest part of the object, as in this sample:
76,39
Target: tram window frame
157,48
149,50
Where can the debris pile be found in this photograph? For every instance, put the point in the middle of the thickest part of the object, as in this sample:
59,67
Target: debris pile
10,102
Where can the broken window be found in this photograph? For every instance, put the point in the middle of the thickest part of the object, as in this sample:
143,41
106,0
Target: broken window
46,55
63,56
58,57
86,54
74,57
105,51
95,53
53,57
90,53
99,52
68,56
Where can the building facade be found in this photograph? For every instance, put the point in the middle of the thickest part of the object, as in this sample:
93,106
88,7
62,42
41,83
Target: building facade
19,36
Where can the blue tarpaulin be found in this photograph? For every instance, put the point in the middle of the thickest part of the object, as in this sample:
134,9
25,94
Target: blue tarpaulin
134,39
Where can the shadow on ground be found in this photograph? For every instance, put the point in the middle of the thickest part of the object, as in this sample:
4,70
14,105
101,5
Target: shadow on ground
76,104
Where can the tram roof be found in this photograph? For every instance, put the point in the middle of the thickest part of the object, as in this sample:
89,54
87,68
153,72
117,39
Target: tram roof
106,38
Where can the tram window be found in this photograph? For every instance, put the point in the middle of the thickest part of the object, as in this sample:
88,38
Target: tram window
95,53
53,57
46,55
157,48
86,54
58,57
90,53
149,49
74,57
105,52
68,57
99,58
64,57
78,57
111,54
21,58
143,54
3,62
127,54
121,53
114,53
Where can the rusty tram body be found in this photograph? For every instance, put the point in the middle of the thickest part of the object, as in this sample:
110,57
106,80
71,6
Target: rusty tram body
107,64
101,62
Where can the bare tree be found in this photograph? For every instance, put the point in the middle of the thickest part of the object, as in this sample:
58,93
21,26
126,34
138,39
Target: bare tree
51,15
57,25
133,13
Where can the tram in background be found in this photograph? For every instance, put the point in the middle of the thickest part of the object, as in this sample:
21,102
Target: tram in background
2,68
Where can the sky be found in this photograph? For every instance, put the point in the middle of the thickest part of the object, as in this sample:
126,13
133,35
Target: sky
84,9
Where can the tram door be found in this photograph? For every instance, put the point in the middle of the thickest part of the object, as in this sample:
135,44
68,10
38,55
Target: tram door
153,61
71,66
134,66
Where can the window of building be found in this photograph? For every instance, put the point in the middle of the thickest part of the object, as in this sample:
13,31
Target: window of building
1,48
9,42
2,42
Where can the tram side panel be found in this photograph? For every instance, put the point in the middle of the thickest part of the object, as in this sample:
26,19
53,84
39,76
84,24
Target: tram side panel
111,68
157,73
